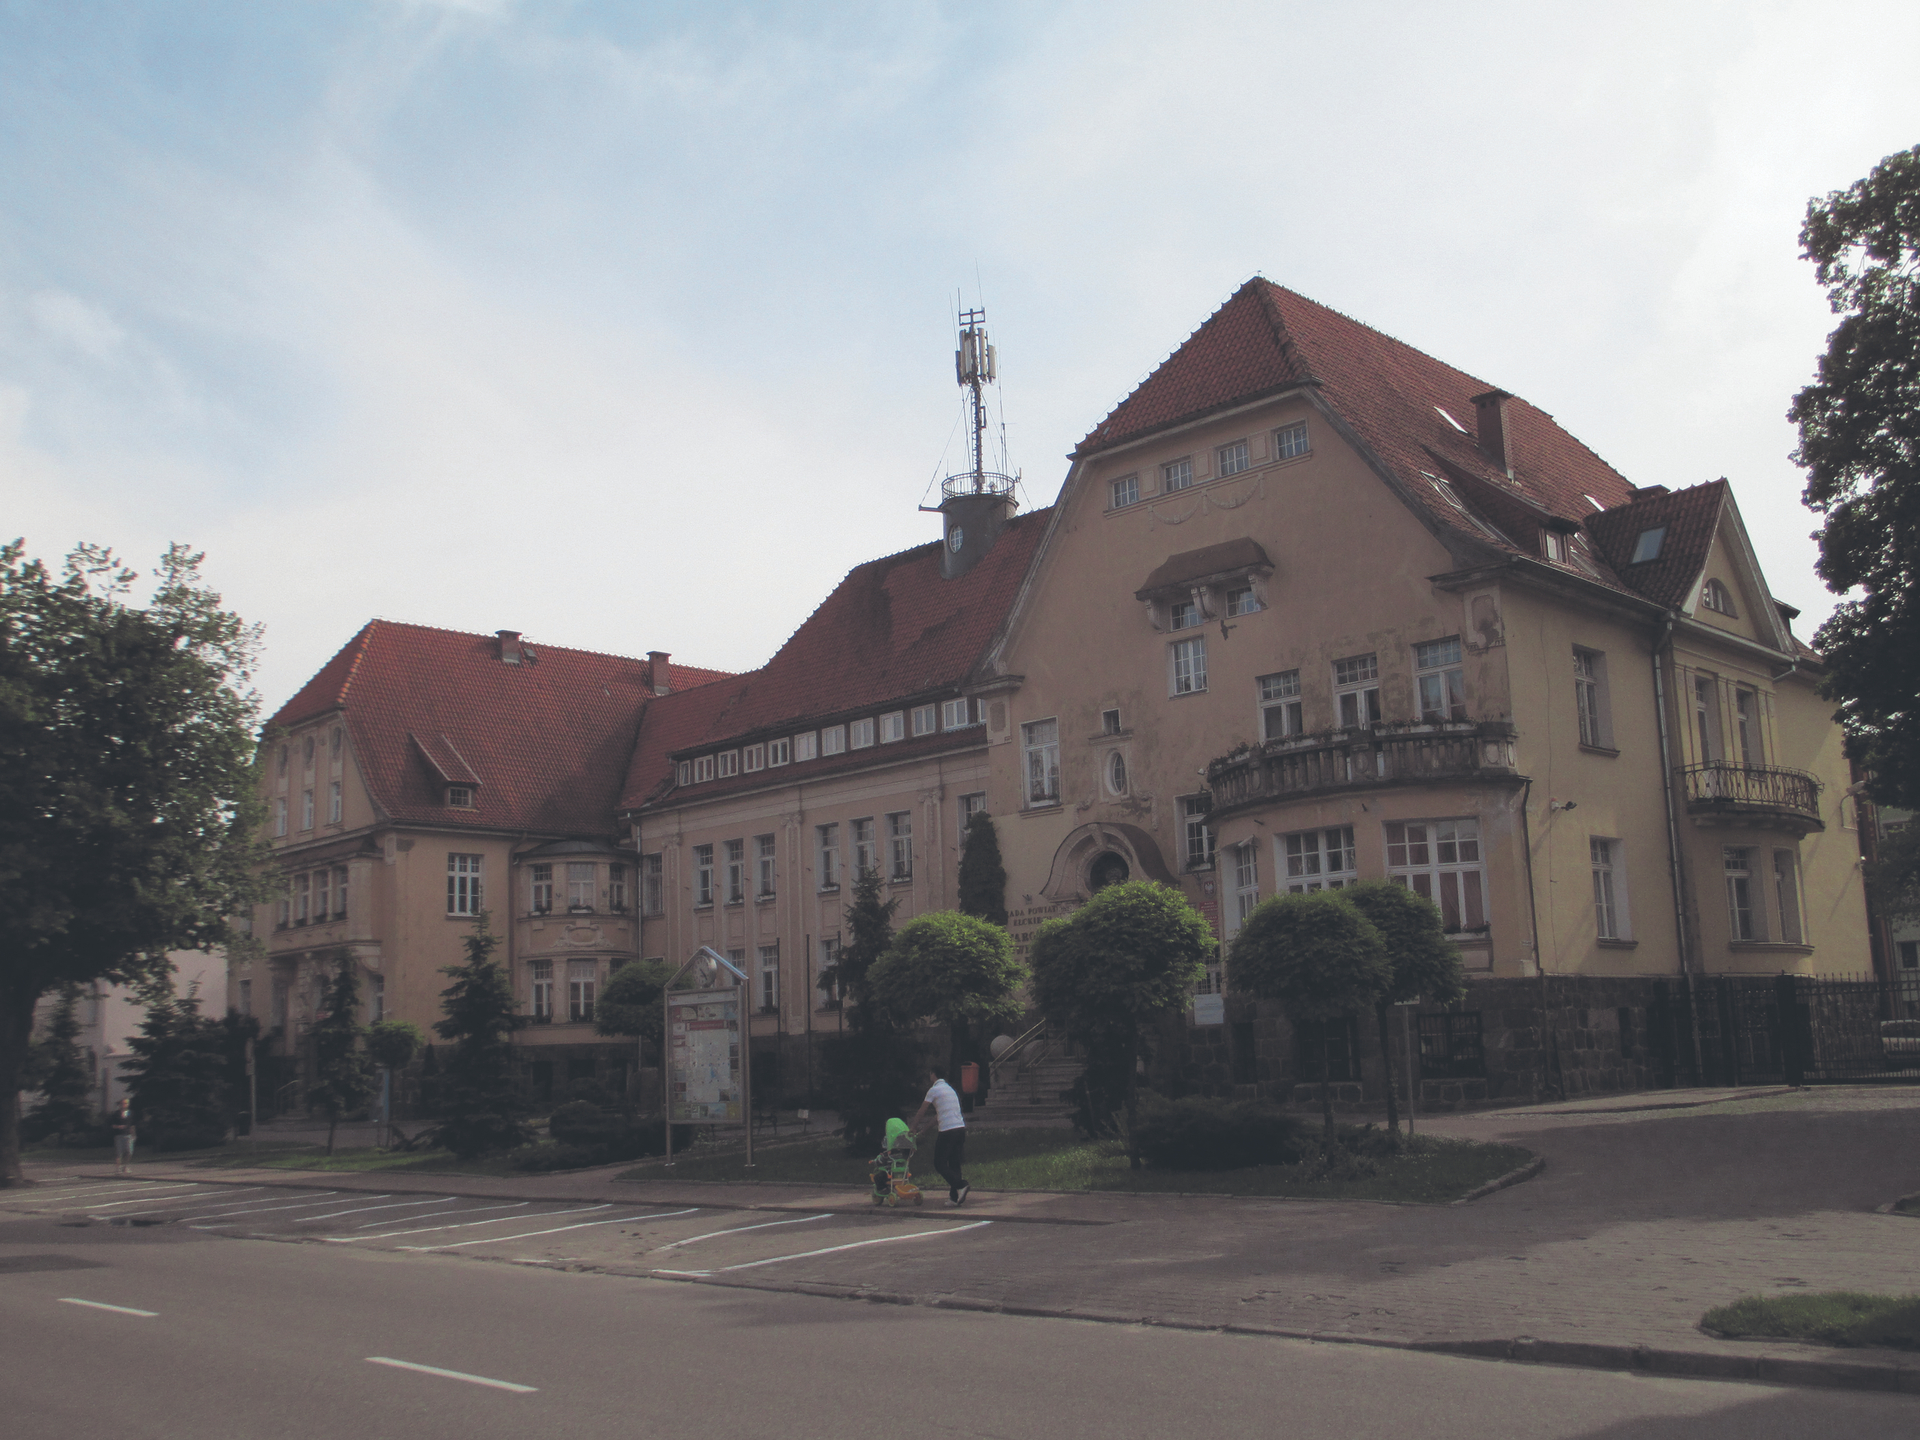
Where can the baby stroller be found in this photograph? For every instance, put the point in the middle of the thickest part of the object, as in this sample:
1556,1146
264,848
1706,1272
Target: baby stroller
890,1169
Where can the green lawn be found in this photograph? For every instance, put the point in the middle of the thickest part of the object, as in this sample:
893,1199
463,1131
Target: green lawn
1835,1317
1430,1170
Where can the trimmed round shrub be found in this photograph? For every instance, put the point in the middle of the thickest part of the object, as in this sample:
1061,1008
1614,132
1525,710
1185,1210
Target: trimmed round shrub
1197,1133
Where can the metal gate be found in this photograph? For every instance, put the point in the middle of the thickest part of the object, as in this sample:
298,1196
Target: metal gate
1784,1029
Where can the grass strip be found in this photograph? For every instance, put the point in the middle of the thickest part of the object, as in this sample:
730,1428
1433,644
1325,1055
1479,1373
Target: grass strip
1832,1317
1427,1170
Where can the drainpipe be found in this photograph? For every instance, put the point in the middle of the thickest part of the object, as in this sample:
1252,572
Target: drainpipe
1550,1031
1666,789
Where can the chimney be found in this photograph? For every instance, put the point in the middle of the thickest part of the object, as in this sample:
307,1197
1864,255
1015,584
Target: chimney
659,671
1490,425
509,646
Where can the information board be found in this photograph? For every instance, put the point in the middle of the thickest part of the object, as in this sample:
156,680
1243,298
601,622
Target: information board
703,1055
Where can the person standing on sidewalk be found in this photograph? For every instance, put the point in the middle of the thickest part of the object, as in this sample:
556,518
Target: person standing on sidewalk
950,1145
122,1122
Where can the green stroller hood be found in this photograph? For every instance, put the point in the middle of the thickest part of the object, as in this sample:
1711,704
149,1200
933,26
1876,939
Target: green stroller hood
896,1132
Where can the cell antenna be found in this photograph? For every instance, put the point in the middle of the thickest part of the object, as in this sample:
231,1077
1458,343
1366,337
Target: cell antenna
975,366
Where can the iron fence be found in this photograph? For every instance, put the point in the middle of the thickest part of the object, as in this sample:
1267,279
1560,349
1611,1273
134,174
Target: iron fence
1451,1046
1782,1029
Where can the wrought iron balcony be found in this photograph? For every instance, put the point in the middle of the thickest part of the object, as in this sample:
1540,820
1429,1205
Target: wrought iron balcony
1722,793
1369,759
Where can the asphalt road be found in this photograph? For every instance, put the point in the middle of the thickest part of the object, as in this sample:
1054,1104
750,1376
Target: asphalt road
139,1330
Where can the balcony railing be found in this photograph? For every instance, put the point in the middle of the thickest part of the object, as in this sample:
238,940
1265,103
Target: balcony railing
1368,759
1762,793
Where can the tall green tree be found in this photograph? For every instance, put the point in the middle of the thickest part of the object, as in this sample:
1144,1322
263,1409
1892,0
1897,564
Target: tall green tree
343,1072
482,1108
871,1070
1320,958
956,969
982,879
1108,972
129,812
177,1078
633,1003
1860,444
60,1073
1422,963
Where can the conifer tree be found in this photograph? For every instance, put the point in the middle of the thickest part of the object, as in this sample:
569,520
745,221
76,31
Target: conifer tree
60,1072
983,879
870,1069
343,1074
482,1109
177,1078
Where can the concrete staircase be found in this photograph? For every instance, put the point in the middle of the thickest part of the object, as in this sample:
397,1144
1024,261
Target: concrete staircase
1035,1093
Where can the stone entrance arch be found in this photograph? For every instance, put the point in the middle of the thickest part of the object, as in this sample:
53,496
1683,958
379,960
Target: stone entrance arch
1099,854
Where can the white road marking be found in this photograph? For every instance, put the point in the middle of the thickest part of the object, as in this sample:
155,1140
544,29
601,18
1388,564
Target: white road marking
115,1204
68,1191
456,1210
453,1375
361,1210
247,1212
529,1234
462,1225
117,1309
738,1229
195,1201
856,1244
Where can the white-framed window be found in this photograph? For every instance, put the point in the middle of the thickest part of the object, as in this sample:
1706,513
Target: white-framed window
1590,698
970,806
285,751
779,752
1290,441
1647,545
1040,741
583,979
1184,615
1786,896
1197,832
540,979
703,875
308,747
1356,691
806,747
1310,860
1553,545
306,809
1110,722
702,769
1115,773
1187,666
1706,719
1744,920
1610,919
1440,682
322,894
826,841
280,815
833,740
1746,726
286,902
860,733
539,889
581,878
1232,458
333,802
1440,861
763,866
926,719
1280,705
1716,597
1177,474
829,962
736,871
463,884
769,957
728,762
376,999
753,757
866,853
683,774
900,845
1126,491
336,741
1242,601
893,727
460,797
617,888
1246,885
653,884
340,891
1906,973
956,714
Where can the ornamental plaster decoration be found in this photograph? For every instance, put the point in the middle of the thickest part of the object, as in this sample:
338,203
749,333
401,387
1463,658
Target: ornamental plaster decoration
1166,516
1067,879
1226,500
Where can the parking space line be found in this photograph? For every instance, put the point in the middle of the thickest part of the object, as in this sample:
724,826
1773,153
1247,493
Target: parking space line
361,1210
856,1244
465,1224
58,1192
261,1207
740,1229
454,1375
198,1200
115,1204
117,1309
530,1234
456,1210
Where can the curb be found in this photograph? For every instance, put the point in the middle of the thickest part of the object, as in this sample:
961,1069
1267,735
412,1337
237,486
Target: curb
1892,1207
1900,1378
1513,1177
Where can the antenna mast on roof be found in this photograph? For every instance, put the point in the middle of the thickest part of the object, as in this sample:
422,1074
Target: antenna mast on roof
977,503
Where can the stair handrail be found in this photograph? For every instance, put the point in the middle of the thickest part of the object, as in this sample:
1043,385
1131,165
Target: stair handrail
1035,1035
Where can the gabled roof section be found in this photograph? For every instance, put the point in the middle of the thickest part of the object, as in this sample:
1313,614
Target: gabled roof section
1690,517
1415,414
544,744
892,631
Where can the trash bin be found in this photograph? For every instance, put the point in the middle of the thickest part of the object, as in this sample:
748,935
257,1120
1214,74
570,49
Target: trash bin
970,1079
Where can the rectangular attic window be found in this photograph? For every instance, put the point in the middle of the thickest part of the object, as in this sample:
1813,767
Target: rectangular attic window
1647,547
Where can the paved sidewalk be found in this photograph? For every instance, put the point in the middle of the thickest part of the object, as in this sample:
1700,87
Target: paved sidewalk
1643,1218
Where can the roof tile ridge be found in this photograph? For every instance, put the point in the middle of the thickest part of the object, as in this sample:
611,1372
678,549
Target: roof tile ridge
541,645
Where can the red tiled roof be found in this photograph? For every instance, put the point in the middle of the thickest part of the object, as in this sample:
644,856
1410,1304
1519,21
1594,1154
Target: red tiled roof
1691,517
891,632
545,744
1266,339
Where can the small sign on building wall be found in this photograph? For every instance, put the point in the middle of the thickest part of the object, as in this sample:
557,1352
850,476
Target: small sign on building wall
1209,1009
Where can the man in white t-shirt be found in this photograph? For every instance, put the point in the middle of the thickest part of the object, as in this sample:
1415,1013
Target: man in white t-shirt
950,1145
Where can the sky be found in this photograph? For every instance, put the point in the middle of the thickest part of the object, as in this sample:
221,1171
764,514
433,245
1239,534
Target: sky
630,326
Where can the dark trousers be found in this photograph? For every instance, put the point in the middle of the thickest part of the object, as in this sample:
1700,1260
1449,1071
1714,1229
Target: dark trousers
949,1154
